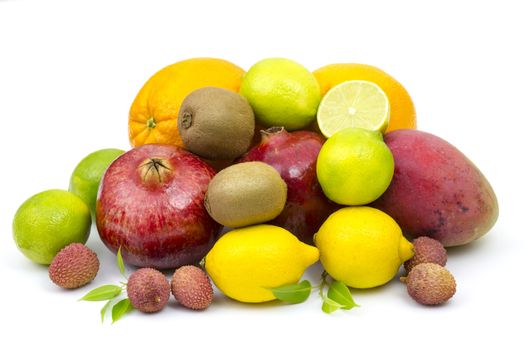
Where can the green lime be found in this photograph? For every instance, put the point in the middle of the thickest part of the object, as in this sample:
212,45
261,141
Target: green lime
356,104
282,93
86,177
49,221
355,166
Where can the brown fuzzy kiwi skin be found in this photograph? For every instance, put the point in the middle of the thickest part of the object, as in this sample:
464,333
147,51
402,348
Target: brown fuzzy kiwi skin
426,250
245,194
216,123
430,284
148,290
191,287
74,266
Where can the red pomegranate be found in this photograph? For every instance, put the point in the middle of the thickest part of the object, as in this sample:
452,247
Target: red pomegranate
294,156
151,205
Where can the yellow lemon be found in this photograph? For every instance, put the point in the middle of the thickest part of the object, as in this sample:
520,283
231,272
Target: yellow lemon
362,247
245,263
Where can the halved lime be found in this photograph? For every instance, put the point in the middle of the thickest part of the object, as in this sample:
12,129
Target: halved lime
354,103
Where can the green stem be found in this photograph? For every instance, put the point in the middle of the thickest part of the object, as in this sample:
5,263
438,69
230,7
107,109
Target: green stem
151,123
323,284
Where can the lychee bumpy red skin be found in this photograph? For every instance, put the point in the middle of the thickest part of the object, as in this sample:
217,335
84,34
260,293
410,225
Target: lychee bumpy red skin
148,290
426,250
74,266
430,284
192,287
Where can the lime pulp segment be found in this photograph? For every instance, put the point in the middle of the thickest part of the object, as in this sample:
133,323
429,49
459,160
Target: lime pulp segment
354,103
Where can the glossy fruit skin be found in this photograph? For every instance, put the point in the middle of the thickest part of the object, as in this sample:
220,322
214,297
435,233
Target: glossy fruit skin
354,166
85,179
436,190
281,92
294,156
362,247
47,222
159,220
246,262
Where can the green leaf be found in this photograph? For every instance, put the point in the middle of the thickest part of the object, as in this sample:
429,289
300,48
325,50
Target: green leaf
339,293
104,309
330,306
120,309
293,293
120,263
105,292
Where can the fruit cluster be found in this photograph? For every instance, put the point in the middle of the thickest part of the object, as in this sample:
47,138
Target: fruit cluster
297,166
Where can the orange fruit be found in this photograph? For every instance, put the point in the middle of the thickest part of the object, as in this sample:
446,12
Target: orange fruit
402,111
153,114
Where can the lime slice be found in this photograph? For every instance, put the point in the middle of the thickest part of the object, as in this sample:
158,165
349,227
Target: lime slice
354,103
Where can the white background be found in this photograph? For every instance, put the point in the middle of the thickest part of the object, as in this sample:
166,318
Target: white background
69,72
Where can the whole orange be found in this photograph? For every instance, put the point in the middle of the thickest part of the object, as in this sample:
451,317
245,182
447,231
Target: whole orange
402,111
153,114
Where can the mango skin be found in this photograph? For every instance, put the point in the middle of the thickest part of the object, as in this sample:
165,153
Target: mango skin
436,190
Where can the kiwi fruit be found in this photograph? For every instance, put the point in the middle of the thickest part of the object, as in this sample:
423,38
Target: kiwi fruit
148,290
245,194
216,123
74,266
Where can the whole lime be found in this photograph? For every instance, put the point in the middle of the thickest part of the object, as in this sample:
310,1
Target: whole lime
49,221
282,93
355,166
86,177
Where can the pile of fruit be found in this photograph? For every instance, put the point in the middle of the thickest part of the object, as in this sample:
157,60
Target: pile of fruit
245,179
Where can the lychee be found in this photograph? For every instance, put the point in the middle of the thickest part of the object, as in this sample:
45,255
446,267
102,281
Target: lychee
426,250
192,288
148,290
74,266
430,284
